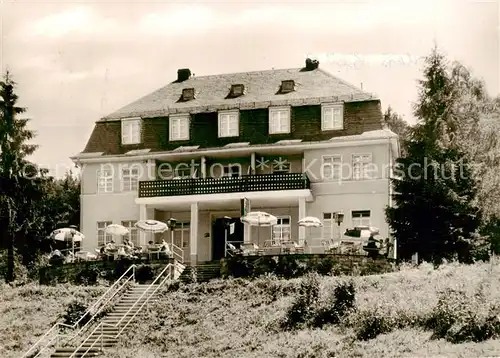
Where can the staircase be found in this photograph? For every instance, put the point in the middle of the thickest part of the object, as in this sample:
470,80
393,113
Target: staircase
113,323
82,342
205,271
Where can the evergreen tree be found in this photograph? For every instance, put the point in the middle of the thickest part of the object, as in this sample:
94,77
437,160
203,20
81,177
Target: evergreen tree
21,186
398,125
434,185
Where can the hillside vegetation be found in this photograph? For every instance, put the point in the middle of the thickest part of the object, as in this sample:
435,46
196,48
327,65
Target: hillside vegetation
447,312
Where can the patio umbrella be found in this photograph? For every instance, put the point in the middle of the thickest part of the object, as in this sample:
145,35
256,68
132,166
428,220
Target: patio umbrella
116,229
309,222
67,235
259,219
151,226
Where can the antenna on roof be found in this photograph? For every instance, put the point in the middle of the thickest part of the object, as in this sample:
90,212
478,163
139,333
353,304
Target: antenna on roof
361,86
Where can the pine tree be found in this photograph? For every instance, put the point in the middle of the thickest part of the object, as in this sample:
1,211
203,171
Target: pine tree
398,125
19,188
434,185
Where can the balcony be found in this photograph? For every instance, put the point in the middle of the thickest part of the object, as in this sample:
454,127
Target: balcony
223,185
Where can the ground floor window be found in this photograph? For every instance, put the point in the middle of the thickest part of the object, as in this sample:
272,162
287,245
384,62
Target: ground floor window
181,234
282,230
102,237
360,218
134,234
329,226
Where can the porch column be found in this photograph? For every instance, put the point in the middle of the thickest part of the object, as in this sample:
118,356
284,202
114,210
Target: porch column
203,167
252,163
247,234
302,214
193,233
142,216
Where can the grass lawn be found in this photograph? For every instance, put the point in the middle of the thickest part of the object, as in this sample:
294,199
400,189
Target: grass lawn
238,318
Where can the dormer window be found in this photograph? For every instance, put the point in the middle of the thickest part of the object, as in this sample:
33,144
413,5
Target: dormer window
287,86
236,91
187,94
131,131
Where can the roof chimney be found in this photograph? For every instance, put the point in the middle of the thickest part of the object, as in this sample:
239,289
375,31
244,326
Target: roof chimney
183,74
311,64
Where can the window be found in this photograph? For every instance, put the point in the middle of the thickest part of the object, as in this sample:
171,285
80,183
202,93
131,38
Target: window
237,90
102,237
329,226
130,179
279,120
131,131
182,171
332,167
281,231
181,234
229,124
287,86
332,117
281,166
360,166
105,181
232,170
179,127
187,94
360,218
134,233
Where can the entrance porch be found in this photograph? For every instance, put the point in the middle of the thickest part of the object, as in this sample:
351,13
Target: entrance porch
201,233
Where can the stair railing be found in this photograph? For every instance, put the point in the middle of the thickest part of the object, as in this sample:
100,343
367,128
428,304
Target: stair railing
93,311
177,253
170,268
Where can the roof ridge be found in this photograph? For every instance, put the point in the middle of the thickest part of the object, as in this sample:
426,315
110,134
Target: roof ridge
344,82
247,72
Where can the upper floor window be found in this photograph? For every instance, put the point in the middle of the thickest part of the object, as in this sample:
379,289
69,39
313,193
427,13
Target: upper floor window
179,127
131,131
229,124
130,179
287,86
332,167
332,117
187,94
237,90
281,166
361,166
232,170
105,181
279,120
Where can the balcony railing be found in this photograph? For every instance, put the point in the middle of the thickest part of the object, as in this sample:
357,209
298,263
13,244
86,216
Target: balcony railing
244,183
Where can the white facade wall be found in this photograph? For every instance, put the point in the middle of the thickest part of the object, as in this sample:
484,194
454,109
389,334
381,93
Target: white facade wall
346,195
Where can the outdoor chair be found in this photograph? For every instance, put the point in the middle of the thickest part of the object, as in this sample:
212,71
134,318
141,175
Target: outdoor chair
251,249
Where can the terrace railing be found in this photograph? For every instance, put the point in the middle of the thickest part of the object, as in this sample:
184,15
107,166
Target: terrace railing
224,185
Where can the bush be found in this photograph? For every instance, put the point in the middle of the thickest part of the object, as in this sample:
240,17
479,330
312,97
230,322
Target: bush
302,309
74,312
87,276
144,274
338,306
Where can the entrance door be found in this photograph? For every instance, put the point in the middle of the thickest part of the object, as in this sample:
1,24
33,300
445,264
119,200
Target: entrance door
219,236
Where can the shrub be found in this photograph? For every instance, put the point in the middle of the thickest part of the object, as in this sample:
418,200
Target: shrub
144,274
302,309
74,312
87,276
371,325
338,306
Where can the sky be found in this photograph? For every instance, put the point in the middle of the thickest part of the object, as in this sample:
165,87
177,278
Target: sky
76,61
